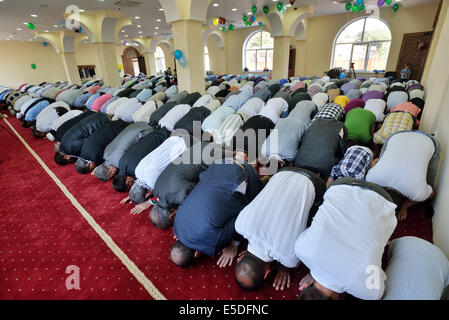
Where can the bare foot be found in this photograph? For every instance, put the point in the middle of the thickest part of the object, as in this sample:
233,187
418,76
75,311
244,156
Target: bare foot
402,214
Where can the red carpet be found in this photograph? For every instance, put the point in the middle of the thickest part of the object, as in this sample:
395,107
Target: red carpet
41,233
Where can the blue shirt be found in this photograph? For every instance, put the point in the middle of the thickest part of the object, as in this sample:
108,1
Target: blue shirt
36,109
205,220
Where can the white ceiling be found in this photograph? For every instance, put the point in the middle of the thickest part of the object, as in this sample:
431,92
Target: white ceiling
13,13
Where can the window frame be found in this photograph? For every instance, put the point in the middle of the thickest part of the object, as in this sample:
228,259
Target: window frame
160,58
355,43
245,50
206,53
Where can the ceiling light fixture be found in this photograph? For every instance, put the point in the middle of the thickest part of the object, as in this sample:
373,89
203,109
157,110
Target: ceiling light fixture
234,9
33,15
160,9
215,4
158,20
137,17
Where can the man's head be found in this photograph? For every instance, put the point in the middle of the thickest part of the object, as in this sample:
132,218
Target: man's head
137,194
119,183
63,159
181,255
105,173
313,293
84,167
162,218
407,65
38,134
250,272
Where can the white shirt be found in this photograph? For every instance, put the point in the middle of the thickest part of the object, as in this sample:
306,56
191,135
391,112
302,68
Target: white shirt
202,101
114,105
150,167
346,241
403,165
377,106
276,217
274,108
144,113
46,117
174,115
252,107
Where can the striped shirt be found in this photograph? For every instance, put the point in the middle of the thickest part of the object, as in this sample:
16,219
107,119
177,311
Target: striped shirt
223,135
150,167
276,217
394,122
173,116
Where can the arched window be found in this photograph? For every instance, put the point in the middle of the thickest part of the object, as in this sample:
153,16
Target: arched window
160,60
206,59
365,42
258,51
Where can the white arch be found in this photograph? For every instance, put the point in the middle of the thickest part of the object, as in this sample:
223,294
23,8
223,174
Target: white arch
141,46
275,24
218,38
50,42
156,42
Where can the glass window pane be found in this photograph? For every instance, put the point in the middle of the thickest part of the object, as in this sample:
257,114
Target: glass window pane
261,59
376,29
267,40
352,33
255,42
342,55
251,60
378,55
359,56
270,59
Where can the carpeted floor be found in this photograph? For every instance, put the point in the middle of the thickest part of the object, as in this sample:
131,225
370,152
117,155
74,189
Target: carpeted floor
42,232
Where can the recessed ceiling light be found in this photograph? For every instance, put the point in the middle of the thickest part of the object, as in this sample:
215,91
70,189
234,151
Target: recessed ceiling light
31,40
82,10
33,15
25,23
155,33
215,4
46,31
156,28
18,29
137,17
140,31
160,9
123,30
140,36
55,25
288,5
158,20
234,9
139,26
126,36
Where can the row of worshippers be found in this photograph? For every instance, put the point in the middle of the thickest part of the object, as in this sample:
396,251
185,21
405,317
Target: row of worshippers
216,207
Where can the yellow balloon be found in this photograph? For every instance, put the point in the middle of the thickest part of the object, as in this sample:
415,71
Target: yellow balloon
120,67
216,21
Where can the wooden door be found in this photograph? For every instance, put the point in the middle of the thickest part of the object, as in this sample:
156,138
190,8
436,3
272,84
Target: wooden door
414,50
291,63
142,65
127,65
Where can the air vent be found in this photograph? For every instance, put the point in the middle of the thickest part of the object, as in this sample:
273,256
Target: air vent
128,3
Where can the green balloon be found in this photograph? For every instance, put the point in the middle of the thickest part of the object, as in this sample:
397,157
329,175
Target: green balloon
354,8
265,9
254,9
33,66
245,18
388,1
280,6
361,8
223,29
395,7
348,6
31,26
231,27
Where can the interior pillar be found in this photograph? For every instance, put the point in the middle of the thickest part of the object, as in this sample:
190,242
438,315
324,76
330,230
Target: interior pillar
188,38
70,66
150,62
108,64
280,57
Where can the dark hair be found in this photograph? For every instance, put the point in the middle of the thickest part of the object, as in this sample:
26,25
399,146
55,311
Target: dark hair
101,172
137,194
160,217
249,272
59,159
312,293
119,184
181,255
82,166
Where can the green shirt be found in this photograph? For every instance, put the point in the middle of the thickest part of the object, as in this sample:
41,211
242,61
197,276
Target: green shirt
359,123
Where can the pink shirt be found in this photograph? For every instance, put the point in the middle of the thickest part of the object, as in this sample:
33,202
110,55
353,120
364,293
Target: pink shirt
407,107
93,89
98,103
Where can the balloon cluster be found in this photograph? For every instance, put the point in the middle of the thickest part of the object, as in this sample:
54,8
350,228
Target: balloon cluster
219,20
180,57
359,5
